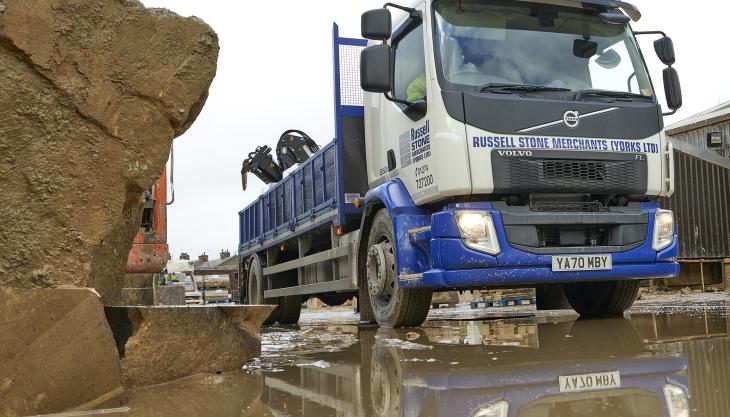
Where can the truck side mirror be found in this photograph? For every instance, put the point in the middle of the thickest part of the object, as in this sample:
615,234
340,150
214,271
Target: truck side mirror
664,48
376,24
672,88
375,68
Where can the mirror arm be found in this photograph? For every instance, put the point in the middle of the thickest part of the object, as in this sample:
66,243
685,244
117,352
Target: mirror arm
670,113
398,6
396,100
412,13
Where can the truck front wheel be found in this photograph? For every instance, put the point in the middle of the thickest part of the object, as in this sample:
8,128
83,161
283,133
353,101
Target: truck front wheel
392,305
602,299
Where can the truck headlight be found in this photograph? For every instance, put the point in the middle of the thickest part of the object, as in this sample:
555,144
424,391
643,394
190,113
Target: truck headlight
677,401
498,409
663,229
477,231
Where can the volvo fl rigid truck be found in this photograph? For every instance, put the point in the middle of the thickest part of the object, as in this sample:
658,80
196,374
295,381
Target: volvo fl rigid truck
478,144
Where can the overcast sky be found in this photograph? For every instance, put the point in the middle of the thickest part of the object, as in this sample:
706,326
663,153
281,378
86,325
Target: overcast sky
275,73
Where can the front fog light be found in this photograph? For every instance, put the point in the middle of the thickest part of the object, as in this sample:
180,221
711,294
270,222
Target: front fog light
663,229
677,401
498,409
477,231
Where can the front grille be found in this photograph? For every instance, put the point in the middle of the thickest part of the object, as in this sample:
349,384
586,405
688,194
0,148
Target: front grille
574,170
568,206
561,236
568,175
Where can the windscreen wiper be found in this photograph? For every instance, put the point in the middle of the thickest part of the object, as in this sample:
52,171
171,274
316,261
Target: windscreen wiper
608,93
497,87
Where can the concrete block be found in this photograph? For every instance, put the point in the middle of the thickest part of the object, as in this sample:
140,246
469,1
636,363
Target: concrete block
57,352
170,295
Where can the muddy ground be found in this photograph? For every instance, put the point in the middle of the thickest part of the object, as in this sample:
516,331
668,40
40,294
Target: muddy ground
510,361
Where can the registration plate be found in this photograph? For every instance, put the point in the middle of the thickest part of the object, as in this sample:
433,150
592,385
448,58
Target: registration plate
589,382
582,263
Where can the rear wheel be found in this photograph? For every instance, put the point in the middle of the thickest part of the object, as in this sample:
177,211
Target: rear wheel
602,299
288,308
392,305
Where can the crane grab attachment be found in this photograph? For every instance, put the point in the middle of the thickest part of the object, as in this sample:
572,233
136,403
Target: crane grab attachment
294,147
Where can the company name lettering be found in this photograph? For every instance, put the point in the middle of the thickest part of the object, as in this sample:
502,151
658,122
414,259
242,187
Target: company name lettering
613,145
420,143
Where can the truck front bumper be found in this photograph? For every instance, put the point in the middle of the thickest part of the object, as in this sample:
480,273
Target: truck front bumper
508,276
456,266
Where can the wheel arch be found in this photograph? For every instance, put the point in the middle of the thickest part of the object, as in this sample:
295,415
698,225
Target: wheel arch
393,196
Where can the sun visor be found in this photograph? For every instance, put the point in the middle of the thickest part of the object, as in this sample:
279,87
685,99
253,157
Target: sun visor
629,9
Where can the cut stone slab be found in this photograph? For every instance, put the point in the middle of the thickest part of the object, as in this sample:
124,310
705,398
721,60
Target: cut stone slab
57,353
161,344
93,94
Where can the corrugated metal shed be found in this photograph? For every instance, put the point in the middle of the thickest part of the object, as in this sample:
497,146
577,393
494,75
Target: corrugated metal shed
701,202
694,130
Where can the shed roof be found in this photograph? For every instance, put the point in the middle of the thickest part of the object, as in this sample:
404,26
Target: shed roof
717,114
701,153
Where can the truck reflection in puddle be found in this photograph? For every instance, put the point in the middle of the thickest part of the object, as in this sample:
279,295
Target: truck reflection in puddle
488,369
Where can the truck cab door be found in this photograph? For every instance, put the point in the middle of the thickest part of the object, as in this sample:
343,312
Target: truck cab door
399,141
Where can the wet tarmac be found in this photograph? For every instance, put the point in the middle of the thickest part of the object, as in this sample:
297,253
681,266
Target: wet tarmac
670,357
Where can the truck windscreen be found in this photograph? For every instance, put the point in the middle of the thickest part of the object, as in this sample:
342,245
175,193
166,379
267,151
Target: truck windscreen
531,44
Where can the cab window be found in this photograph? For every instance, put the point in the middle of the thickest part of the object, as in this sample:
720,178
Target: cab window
410,68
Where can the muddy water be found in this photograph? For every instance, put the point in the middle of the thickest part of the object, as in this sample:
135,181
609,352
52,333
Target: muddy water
509,362
545,365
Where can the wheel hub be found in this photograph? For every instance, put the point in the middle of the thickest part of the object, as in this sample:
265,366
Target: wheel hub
380,268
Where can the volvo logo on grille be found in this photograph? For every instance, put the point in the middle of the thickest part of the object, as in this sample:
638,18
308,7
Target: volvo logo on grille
515,153
571,118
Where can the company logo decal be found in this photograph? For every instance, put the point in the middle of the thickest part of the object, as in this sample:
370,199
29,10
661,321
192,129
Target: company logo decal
518,154
571,118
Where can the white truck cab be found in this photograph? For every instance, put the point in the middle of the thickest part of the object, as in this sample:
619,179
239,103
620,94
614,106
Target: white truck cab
503,85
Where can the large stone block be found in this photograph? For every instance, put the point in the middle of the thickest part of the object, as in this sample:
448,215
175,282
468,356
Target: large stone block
57,353
93,93
160,344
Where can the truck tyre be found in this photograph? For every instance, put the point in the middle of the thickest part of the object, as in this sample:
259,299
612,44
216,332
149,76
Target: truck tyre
602,299
392,305
551,297
288,308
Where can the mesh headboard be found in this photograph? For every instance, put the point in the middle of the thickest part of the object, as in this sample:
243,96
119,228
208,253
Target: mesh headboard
348,94
350,91
349,100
